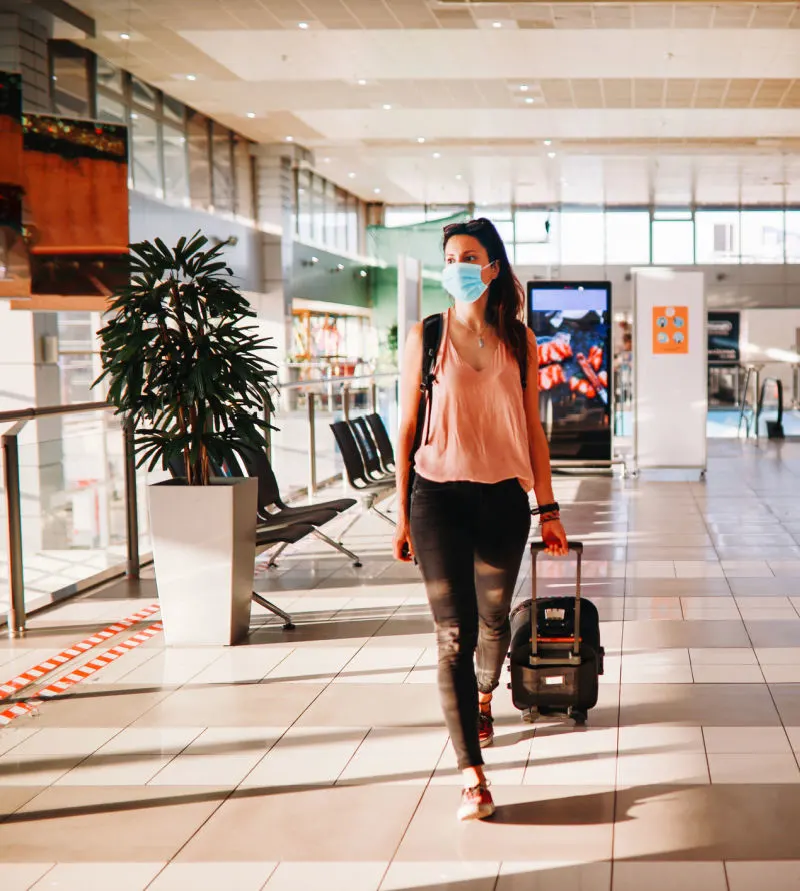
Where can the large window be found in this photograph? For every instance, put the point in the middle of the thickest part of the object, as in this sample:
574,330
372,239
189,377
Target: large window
717,236
146,154
537,234
762,236
71,84
243,176
673,238
304,202
199,160
628,237
793,236
109,110
582,238
330,213
317,208
503,219
222,170
176,168
404,216
341,219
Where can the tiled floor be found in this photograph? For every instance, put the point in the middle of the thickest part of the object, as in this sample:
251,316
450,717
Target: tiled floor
318,758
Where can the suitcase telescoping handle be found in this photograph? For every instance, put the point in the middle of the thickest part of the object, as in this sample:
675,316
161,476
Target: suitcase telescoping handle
538,547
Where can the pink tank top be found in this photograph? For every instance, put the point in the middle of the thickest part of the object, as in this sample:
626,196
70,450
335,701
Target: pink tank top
478,429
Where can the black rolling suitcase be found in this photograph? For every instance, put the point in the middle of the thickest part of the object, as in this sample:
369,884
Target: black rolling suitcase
552,669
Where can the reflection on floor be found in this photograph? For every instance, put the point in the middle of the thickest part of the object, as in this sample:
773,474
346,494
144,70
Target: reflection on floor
318,758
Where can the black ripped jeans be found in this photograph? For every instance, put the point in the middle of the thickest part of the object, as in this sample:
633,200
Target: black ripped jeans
469,539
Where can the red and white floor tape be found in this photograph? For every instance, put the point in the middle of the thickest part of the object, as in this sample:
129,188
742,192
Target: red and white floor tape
9,688
80,674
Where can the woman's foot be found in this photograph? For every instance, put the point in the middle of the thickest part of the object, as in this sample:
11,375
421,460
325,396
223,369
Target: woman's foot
485,722
476,803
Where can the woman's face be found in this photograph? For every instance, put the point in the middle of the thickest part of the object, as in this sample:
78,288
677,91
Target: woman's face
467,249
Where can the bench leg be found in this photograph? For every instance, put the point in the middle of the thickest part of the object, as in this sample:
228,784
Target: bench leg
288,624
383,516
338,547
274,556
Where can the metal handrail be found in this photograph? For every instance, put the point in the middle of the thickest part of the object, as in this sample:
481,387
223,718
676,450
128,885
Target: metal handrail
298,385
30,414
762,393
17,619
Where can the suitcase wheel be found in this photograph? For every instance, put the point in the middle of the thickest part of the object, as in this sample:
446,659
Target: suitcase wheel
578,717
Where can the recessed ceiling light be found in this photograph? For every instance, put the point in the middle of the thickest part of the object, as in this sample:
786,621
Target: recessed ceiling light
420,139
387,107
315,259
251,114
352,175
326,160
548,142
377,191
363,273
529,100
290,138
524,88
459,176
303,26
362,82
340,266
124,36
134,116
497,24
437,154
551,154
191,77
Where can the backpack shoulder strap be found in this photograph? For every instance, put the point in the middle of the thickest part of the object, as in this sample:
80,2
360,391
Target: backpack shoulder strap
431,338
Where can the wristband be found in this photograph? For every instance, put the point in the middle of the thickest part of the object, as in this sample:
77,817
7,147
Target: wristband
545,509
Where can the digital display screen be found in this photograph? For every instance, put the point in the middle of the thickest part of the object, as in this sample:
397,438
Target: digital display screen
572,324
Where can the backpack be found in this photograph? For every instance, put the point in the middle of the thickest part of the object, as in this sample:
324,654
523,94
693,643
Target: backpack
432,327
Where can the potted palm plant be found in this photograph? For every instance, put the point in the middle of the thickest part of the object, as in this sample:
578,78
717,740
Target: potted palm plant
187,370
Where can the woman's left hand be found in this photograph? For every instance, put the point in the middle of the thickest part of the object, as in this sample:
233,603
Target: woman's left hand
554,536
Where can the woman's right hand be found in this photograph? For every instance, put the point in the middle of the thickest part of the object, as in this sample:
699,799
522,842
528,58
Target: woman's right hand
402,547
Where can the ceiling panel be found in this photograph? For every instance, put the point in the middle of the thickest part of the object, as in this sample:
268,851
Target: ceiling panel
670,98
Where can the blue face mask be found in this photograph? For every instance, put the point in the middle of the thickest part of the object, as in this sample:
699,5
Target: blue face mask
463,281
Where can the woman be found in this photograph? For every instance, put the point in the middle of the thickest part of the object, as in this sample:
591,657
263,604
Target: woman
483,450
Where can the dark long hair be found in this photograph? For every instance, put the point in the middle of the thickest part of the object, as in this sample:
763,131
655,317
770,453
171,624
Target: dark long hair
506,296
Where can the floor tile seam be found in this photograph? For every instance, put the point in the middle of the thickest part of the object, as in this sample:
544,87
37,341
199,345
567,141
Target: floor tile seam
418,805
760,668
619,712
173,756
726,875
283,735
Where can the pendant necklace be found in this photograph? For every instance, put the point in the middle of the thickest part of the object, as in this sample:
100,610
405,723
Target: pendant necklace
481,341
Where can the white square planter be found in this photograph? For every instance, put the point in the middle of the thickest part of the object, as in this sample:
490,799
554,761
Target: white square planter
204,555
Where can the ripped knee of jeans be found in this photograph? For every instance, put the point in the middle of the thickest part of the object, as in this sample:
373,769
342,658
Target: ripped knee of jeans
455,644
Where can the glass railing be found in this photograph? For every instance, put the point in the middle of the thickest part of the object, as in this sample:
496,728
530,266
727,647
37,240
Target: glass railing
73,507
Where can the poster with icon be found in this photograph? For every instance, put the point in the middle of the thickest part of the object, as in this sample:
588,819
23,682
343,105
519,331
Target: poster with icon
670,330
